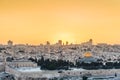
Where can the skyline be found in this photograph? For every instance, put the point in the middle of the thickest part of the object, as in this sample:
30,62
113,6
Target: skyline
75,21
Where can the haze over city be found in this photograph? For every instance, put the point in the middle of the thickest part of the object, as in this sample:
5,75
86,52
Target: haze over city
75,21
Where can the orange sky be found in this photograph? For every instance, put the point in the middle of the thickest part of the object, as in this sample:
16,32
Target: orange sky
36,21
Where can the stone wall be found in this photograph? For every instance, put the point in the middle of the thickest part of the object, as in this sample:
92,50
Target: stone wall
2,67
92,72
25,75
51,74
22,64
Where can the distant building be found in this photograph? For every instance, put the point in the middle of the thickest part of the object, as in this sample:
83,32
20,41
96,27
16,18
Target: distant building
60,42
88,43
22,63
88,58
47,47
87,54
10,43
47,43
66,42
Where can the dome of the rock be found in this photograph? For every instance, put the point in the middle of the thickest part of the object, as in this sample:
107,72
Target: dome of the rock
87,54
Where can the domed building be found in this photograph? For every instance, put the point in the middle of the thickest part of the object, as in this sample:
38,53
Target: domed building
87,54
88,58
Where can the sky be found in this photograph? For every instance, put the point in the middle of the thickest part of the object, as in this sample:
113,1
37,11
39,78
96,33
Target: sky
75,21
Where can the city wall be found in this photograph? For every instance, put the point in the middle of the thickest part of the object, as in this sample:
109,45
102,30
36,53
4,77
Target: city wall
52,74
25,75
111,72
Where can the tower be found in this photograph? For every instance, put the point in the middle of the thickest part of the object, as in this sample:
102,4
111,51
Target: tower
67,43
90,41
60,42
47,43
10,43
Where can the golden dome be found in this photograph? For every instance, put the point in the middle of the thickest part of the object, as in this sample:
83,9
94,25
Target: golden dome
87,54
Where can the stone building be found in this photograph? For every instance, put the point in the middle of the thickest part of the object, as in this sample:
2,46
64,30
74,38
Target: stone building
10,43
88,58
22,63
